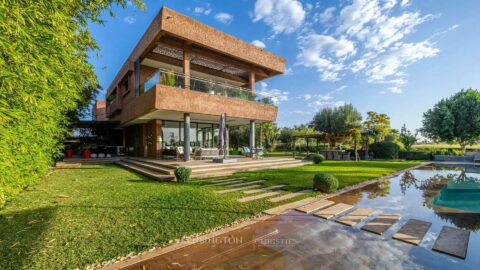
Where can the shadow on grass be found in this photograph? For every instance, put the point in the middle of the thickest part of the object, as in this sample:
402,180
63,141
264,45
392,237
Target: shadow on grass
20,234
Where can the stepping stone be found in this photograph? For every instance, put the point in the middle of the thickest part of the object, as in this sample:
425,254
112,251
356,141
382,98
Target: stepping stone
289,206
332,211
355,217
381,223
413,231
227,180
452,241
289,196
236,189
259,196
262,189
314,206
245,183
224,183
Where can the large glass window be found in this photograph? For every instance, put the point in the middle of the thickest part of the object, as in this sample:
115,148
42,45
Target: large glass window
202,135
171,134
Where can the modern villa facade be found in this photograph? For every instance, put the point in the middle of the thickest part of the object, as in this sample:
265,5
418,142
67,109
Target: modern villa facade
179,79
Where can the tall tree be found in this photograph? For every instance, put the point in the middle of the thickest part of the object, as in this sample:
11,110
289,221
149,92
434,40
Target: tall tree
270,134
44,77
455,119
377,125
407,138
336,123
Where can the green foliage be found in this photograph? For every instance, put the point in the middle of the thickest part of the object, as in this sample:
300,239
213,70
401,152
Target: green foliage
385,150
407,138
455,119
168,78
317,158
183,174
377,125
269,135
416,155
45,81
326,183
337,122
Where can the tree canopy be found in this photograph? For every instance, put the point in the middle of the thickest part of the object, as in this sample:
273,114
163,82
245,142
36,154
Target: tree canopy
45,78
455,119
377,125
337,123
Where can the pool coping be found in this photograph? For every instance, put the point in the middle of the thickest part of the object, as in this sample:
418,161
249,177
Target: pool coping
132,259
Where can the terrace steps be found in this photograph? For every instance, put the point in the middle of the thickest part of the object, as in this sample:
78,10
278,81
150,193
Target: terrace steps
203,170
145,171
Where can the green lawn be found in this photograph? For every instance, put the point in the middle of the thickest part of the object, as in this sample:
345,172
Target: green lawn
76,217
347,172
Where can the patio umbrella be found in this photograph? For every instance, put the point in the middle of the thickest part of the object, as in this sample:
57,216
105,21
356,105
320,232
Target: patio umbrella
222,133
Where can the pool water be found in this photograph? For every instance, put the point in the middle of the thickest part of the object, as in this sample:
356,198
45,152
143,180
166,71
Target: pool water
444,196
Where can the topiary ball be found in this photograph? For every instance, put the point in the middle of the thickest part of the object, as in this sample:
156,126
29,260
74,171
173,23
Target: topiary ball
317,158
325,183
182,174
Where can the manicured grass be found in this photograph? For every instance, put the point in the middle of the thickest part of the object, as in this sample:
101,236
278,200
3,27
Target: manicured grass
347,172
77,217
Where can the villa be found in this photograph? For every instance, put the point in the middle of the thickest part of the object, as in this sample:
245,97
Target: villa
168,96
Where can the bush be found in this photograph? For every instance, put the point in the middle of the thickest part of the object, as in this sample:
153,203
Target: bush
416,155
182,174
317,158
385,150
326,183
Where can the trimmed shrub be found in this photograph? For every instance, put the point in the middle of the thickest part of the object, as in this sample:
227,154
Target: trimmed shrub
416,155
182,174
326,183
317,158
385,150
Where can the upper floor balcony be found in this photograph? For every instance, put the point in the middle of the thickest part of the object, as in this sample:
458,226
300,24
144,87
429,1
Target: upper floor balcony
178,80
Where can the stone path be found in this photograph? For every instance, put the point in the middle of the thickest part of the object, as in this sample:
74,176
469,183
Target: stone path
259,196
258,190
355,217
223,180
289,206
314,206
332,211
413,231
224,183
245,183
236,189
289,196
452,241
381,223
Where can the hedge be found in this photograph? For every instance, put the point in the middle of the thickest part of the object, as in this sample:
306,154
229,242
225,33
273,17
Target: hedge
45,77
385,150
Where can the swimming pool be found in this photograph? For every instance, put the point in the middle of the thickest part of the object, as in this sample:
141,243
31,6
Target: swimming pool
442,195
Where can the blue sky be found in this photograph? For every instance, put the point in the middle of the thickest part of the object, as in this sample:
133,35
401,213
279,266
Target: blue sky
397,57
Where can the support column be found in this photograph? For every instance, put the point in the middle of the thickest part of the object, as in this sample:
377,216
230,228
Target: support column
227,142
186,68
251,82
252,134
186,136
136,78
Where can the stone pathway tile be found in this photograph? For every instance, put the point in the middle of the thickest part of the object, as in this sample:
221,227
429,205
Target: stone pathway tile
381,224
314,206
289,196
259,196
413,231
452,241
289,206
258,190
224,183
236,189
355,217
332,211
245,183
223,180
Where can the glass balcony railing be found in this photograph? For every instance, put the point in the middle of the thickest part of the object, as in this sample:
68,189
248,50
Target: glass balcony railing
173,79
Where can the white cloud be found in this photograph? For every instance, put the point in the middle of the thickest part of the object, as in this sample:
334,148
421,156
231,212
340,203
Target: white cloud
288,71
224,17
318,101
326,15
203,10
281,15
199,9
129,19
259,44
325,53
276,95
366,38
